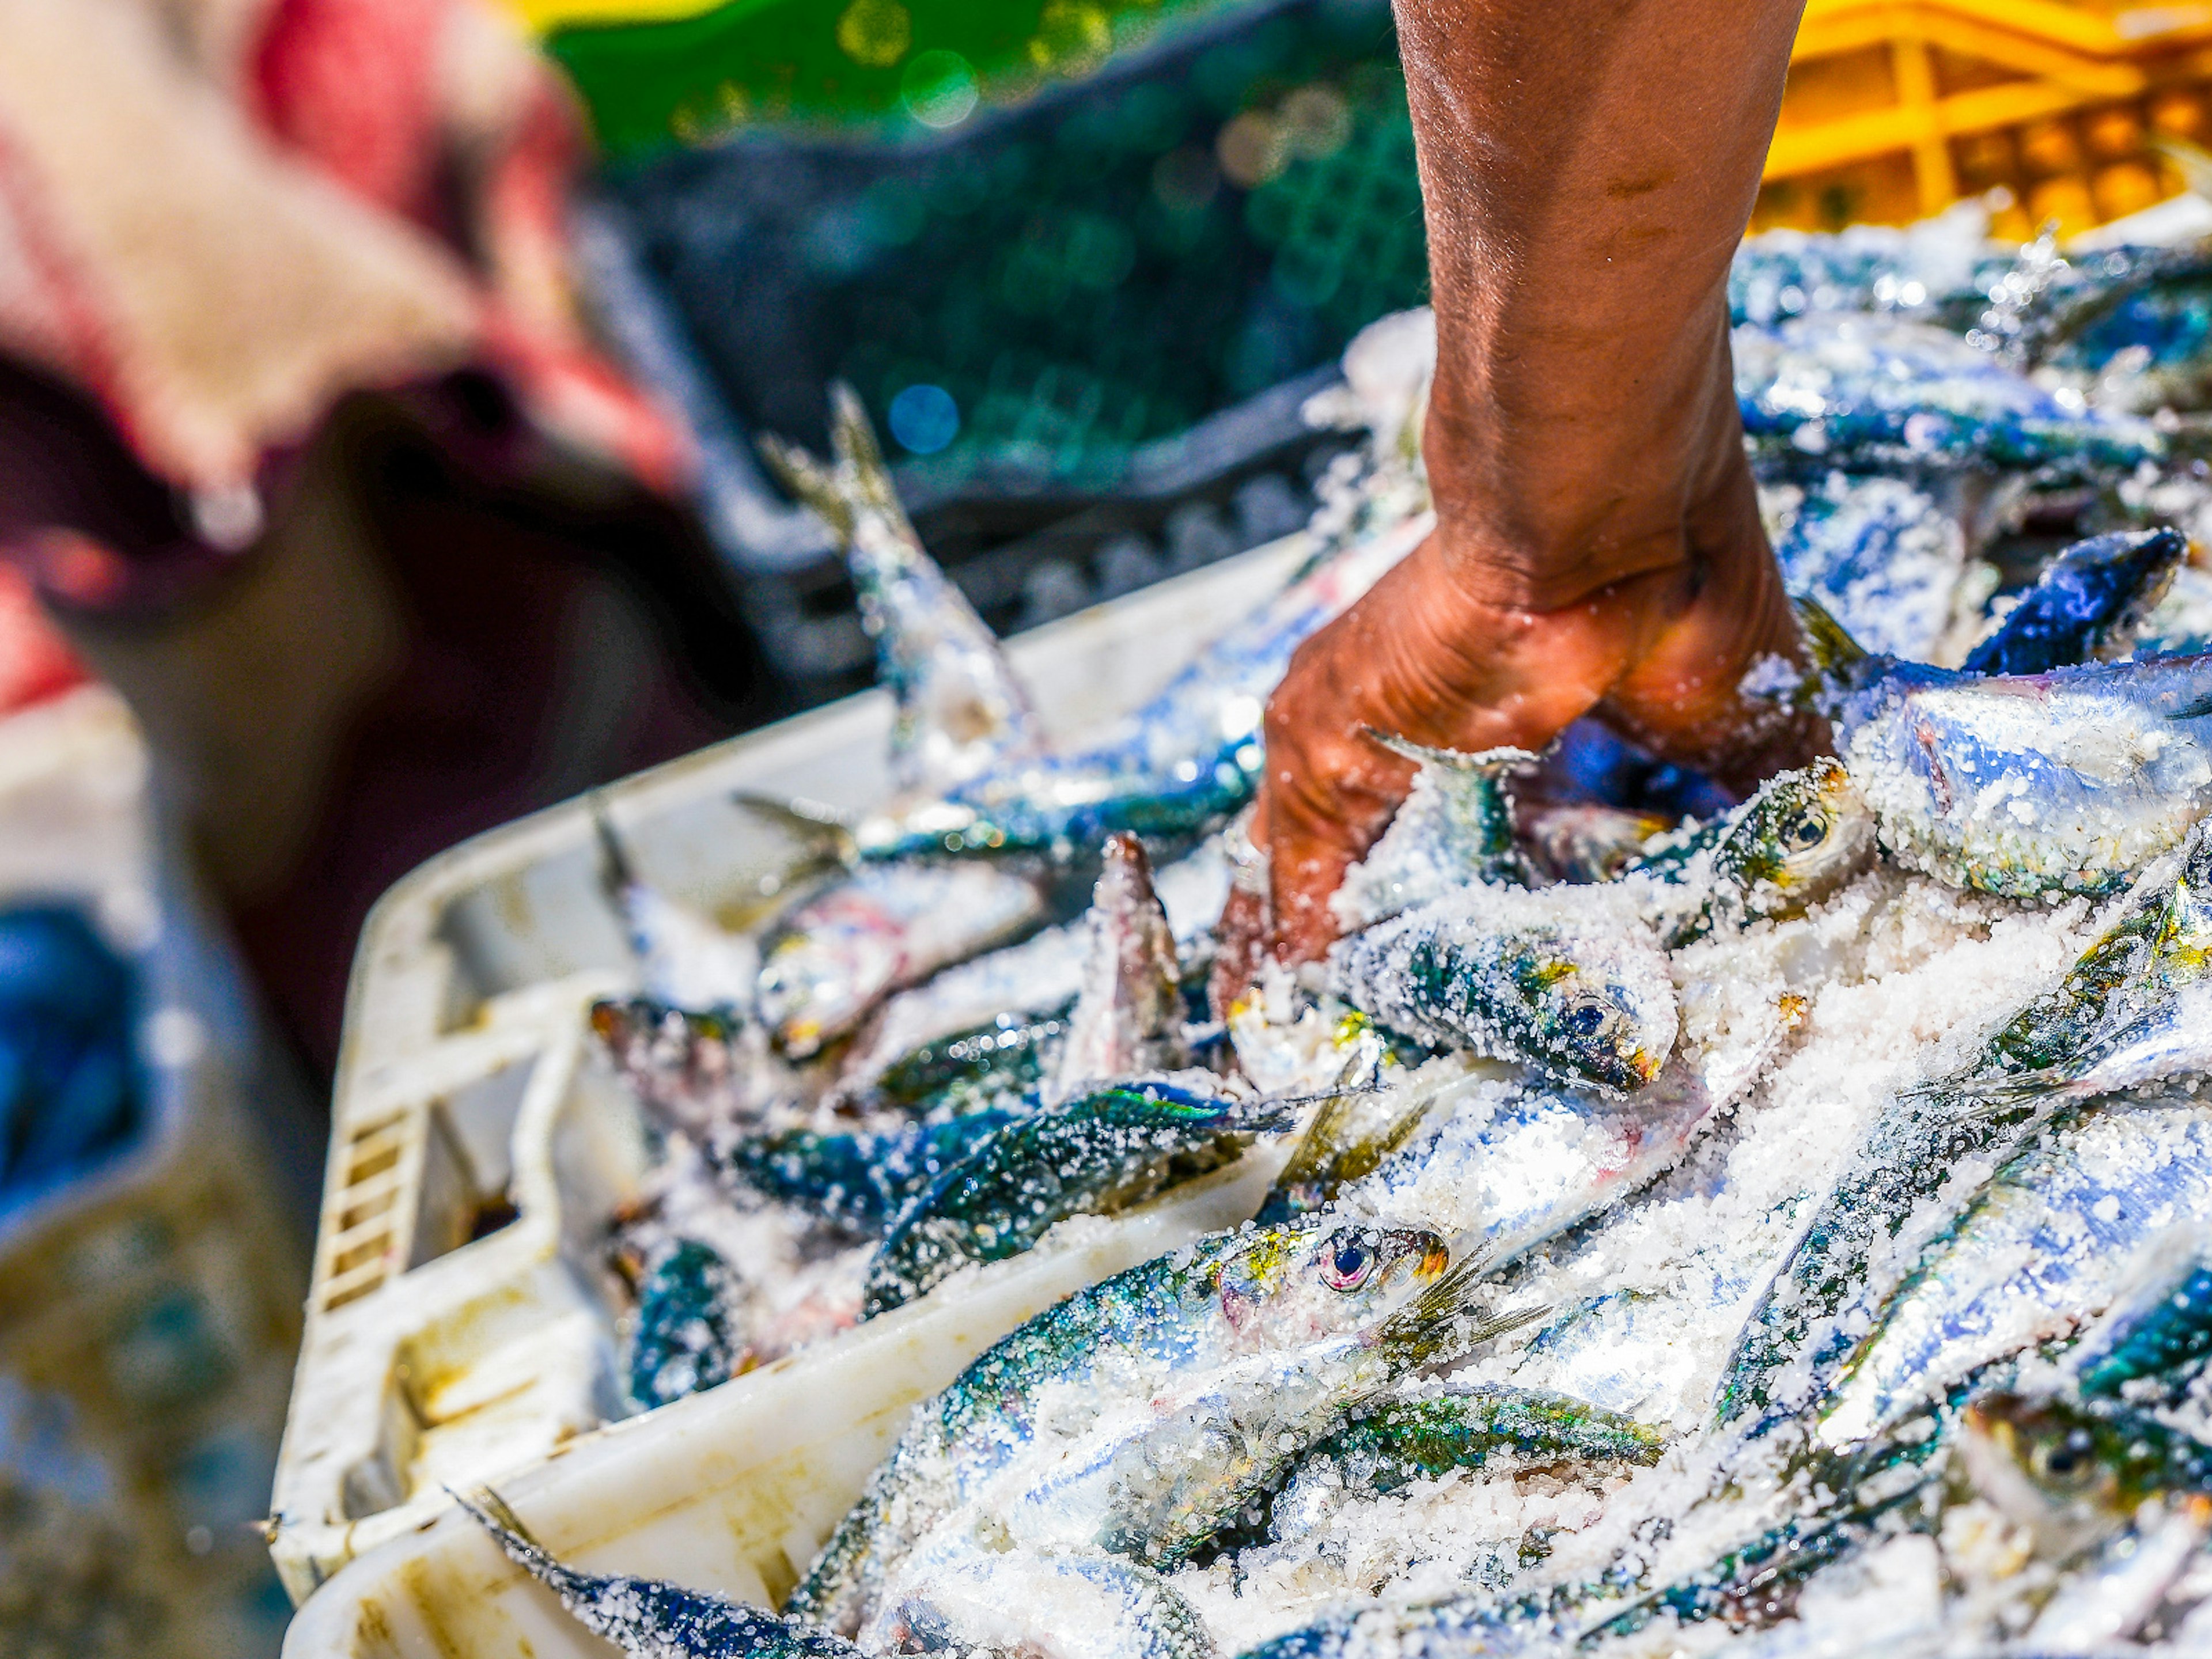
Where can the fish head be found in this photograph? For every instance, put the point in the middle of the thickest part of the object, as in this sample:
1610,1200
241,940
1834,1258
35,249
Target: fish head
1598,1010
2072,1475
813,986
1299,1280
2114,582
1802,835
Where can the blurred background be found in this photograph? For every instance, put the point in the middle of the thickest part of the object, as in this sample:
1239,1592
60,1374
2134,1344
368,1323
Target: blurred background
378,385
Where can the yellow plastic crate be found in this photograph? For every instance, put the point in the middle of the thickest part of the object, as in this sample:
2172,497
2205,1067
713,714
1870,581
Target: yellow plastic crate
1897,108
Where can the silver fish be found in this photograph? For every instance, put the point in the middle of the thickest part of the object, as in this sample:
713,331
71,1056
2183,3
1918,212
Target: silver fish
2069,780
2154,1337
1565,980
2165,1036
958,708
831,959
1044,973
1884,556
647,1618
1128,1018
2042,1249
1175,766
1455,828
1513,1163
1869,392
1230,1297
1799,838
1049,1606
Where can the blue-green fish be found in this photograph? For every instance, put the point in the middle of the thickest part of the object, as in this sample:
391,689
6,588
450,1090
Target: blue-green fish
1101,1151
1455,828
1232,1297
647,1618
2043,1249
2158,1331
1565,980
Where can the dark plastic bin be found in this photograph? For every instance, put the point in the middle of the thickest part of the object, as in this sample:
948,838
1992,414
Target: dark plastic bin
1121,293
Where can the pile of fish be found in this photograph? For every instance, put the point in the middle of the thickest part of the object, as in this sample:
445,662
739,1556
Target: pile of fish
1782,1231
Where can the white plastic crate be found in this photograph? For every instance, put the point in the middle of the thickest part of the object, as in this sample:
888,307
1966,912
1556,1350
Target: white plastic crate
433,1358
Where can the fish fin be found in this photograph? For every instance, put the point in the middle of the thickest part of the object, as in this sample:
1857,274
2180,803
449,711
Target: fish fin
1436,1322
490,1511
1328,1155
1489,762
1834,651
2193,164
827,834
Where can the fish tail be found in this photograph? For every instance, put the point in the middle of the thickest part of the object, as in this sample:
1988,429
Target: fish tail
860,458
812,483
490,1511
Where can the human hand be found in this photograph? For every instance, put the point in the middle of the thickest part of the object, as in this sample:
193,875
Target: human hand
1447,650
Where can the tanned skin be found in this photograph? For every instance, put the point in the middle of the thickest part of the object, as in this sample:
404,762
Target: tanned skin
1587,168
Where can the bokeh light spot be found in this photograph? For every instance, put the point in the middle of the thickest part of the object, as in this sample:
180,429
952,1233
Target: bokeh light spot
876,33
939,88
924,419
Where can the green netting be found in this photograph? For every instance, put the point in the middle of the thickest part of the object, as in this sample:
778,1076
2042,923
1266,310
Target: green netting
1083,285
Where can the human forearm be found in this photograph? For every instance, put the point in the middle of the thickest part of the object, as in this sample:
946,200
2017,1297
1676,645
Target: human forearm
1588,167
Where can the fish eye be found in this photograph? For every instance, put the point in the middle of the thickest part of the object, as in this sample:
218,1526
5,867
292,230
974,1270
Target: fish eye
1585,1020
1804,834
1349,1264
2071,1462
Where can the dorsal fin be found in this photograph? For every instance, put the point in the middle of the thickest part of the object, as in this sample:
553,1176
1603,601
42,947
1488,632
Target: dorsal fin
959,707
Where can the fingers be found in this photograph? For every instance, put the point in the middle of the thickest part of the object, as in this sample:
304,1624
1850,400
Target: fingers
1417,658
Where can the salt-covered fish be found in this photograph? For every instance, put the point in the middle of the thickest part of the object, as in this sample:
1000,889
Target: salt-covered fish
855,1182
1128,1018
1872,392
2069,780
1579,990
1250,1293
2154,1337
686,1338
2157,945
698,1071
1885,556
1798,839
2041,1250
957,707
1422,1436
1454,828
2087,605
828,962
647,1618
1101,1151
1178,763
